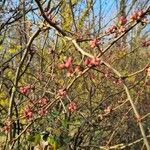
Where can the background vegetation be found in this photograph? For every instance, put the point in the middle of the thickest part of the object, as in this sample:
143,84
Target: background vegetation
74,74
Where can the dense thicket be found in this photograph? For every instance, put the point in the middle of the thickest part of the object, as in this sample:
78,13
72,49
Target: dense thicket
74,74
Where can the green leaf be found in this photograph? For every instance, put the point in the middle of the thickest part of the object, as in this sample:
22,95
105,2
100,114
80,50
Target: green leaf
12,50
1,47
31,138
52,142
34,138
55,113
64,123
67,139
37,138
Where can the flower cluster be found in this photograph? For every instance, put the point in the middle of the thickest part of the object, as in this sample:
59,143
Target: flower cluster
92,61
79,35
42,101
72,106
121,24
120,27
42,112
25,89
94,42
111,30
7,126
28,113
122,21
68,65
137,15
62,92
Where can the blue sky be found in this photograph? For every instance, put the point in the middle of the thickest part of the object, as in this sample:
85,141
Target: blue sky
109,8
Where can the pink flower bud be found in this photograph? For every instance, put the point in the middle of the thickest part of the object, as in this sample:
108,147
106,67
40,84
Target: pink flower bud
94,42
122,20
28,113
72,106
68,62
42,101
42,112
62,92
